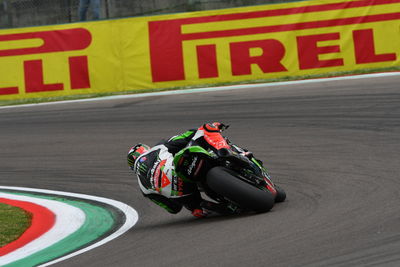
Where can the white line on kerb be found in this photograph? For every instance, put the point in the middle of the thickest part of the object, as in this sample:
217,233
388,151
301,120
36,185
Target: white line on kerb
68,220
209,89
130,214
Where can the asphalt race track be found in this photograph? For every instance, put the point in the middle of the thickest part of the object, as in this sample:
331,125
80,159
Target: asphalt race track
333,146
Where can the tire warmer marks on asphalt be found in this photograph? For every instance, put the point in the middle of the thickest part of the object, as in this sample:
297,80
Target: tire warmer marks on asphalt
82,223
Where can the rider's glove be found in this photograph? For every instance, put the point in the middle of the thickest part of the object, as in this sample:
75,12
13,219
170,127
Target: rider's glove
247,154
215,127
199,213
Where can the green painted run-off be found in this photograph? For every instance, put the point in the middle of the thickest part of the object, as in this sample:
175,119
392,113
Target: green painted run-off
98,222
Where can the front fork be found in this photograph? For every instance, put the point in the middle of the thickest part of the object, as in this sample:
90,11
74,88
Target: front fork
269,185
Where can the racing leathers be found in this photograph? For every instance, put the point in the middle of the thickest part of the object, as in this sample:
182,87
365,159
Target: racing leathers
156,172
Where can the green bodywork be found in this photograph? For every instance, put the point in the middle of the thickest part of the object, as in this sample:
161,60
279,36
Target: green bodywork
183,136
185,151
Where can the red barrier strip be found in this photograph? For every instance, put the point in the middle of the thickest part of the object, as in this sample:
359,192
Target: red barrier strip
286,11
293,26
42,221
9,91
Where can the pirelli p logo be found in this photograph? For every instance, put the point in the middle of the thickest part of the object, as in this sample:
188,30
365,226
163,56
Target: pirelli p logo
55,41
239,44
318,39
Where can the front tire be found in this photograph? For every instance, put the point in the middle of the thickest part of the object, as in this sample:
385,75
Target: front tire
280,194
247,196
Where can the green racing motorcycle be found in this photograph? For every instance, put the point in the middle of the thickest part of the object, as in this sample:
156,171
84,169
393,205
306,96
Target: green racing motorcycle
240,183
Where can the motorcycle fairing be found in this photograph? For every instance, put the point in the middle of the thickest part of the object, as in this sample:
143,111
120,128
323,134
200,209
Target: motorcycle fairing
213,138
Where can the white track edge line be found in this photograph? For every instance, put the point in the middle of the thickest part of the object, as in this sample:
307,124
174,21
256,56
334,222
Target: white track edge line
209,89
130,214
68,220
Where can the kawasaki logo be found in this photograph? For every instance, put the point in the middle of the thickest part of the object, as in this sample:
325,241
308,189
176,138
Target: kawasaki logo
191,167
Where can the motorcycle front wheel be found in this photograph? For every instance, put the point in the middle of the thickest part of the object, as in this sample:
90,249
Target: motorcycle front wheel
280,194
223,182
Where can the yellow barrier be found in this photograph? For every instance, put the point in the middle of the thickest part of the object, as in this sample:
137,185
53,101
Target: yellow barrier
208,47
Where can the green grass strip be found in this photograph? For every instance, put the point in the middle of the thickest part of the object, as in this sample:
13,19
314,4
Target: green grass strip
98,222
13,223
139,91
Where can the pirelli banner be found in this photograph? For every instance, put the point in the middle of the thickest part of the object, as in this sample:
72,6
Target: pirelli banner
210,47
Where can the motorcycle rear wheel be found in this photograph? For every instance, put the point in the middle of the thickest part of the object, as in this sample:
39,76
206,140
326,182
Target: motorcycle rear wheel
223,182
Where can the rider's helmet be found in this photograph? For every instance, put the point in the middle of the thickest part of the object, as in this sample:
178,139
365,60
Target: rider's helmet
135,152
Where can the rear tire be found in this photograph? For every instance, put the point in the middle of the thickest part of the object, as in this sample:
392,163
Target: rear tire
247,196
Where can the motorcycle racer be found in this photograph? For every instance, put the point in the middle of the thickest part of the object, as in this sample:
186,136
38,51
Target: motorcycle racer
156,172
